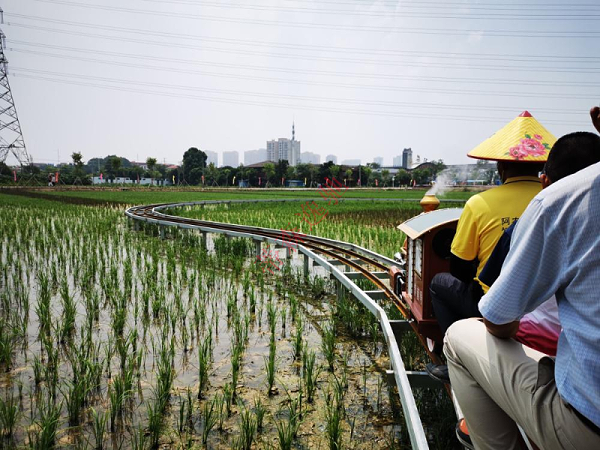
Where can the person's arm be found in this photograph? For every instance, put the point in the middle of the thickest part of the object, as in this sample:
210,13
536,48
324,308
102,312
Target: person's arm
463,270
533,270
465,245
506,331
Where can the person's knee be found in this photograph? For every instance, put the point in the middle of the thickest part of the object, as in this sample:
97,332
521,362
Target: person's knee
437,281
459,334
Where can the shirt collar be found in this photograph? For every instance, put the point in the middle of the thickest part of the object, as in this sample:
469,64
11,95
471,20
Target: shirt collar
525,178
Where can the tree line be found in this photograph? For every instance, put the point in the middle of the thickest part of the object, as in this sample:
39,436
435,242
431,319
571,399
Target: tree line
195,171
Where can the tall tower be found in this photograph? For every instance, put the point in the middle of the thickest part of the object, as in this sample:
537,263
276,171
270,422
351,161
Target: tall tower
293,131
11,136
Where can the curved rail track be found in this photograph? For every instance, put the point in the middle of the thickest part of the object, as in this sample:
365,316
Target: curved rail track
328,253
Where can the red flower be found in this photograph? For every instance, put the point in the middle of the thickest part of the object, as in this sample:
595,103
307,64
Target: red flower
532,147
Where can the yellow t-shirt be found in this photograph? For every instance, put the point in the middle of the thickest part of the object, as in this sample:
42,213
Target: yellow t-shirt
487,215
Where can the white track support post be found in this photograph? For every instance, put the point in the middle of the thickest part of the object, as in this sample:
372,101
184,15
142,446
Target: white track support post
257,248
339,291
204,245
162,231
136,225
306,266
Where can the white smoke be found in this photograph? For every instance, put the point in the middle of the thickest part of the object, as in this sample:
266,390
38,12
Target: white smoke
442,183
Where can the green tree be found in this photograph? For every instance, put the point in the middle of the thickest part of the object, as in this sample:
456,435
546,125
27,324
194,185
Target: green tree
78,172
348,174
385,176
151,163
270,172
115,162
366,175
402,178
334,171
281,169
212,174
194,163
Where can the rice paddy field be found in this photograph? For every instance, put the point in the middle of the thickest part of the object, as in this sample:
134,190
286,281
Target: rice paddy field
116,339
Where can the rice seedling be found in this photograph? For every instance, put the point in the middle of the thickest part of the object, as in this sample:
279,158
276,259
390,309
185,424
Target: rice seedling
328,344
259,411
75,395
9,415
155,422
248,427
139,439
99,422
6,345
333,415
287,430
310,373
42,435
298,339
236,361
204,358
209,413
272,316
228,397
271,366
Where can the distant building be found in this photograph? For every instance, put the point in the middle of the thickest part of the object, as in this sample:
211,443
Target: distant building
231,159
351,162
397,161
331,158
142,165
378,160
310,158
284,149
212,157
407,158
255,156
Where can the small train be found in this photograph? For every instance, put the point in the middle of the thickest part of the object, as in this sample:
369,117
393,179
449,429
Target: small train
426,253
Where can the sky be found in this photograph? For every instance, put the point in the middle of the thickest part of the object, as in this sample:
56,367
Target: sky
360,79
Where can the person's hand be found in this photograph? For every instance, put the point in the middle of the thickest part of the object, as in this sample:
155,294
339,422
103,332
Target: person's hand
595,113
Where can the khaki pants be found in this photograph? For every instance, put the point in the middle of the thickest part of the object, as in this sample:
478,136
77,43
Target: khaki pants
499,382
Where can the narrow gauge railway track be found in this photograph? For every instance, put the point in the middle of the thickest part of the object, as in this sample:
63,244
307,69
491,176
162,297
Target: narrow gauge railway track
356,258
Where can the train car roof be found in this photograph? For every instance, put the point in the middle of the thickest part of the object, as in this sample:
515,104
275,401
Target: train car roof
421,224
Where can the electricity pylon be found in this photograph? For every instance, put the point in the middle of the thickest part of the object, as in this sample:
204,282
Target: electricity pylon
11,136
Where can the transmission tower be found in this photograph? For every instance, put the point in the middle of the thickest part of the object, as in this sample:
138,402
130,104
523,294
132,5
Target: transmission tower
11,136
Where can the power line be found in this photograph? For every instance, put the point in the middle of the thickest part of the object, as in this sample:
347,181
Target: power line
390,88
398,14
444,3
280,105
485,80
303,47
537,67
344,100
330,27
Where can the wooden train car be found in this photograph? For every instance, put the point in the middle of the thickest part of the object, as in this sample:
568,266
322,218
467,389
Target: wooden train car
427,253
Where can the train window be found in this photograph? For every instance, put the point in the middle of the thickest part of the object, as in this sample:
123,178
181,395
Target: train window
442,242
418,256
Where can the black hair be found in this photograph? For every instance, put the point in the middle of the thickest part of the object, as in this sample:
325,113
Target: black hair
509,169
571,153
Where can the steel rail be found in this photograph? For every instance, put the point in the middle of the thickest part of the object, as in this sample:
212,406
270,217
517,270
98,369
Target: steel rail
314,247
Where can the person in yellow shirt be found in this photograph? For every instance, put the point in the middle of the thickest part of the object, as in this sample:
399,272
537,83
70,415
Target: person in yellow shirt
455,295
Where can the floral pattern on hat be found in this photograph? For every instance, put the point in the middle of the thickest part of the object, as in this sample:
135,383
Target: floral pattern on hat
529,146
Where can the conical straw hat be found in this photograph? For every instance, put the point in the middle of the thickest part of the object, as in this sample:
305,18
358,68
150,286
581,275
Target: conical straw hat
524,139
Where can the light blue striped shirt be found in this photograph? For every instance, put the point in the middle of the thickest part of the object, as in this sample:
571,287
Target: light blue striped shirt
555,249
